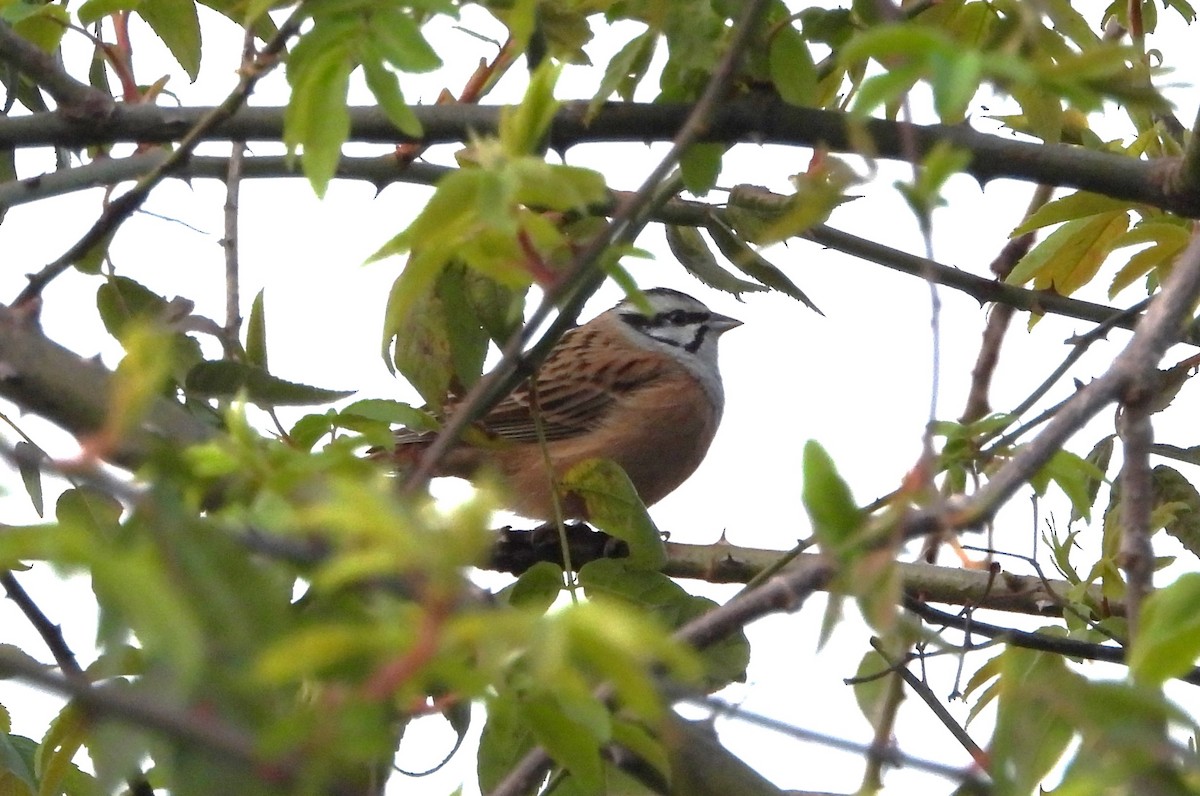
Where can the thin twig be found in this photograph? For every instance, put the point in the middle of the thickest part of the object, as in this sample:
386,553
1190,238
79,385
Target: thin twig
888,754
921,689
383,171
1069,647
51,633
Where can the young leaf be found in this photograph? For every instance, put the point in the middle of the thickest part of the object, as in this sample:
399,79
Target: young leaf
537,588
792,68
700,166
831,508
613,505
1168,639
226,379
256,333
176,23
624,71
688,246
753,264
29,459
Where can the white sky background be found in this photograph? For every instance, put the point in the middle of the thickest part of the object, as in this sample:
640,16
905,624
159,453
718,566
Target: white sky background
857,380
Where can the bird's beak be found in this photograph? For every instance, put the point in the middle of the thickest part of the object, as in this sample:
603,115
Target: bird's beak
722,323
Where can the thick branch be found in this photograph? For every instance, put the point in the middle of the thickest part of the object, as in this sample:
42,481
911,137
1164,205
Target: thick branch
42,377
753,120
384,170
78,102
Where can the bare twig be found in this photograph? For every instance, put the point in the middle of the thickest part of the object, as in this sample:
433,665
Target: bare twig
50,632
887,754
927,696
233,301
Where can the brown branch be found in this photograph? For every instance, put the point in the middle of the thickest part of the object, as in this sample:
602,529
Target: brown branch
79,104
42,377
51,633
382,171
123,206
1136,491
753,120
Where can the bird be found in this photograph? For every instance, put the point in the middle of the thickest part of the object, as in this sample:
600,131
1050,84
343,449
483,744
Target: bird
639,388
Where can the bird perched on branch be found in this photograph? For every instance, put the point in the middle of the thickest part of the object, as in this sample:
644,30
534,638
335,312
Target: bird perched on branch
641,389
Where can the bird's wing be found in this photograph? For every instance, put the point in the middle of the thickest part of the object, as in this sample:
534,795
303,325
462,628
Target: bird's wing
575,388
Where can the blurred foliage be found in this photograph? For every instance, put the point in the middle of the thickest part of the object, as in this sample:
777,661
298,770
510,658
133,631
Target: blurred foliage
282,588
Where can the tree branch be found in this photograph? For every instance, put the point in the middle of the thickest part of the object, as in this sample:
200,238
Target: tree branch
752,120
77,102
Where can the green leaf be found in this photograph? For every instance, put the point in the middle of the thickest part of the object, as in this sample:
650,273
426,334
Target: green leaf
571,728
955,82
256,334
226,379
421,350
176,23
140,377
1099,456
29,458
625,71
386,88
1074,475
506,738
1168,638
316,117
792,68
886,88
394,412
537,588
689,247
16,764
651,593
700,166
94,10
831,508
753,264
1072,254
1171,488
613,505
523,128
399,40
1072,206
1031,731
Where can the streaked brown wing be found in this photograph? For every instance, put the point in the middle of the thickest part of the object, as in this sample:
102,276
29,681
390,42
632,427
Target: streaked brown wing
577,386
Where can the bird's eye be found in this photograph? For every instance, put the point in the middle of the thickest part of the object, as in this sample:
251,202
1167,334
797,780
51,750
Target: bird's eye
677,316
